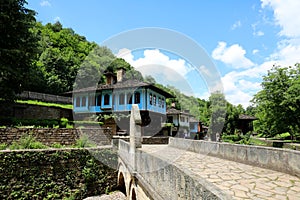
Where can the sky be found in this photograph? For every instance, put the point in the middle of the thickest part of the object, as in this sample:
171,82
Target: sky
243,39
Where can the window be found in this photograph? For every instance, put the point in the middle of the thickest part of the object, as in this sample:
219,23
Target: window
137,97
77,102
150,99
106,99
182,119
163,103
154,100
83,103
121,99
170,119
92,101
129,98
99,100
159,101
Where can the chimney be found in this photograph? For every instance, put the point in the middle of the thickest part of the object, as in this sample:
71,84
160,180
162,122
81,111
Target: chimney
109,78
120,74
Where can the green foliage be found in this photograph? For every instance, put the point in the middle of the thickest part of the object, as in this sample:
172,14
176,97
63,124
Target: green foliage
11,121
63,122
3,146
83,142
278,103
57,145
61,53
282,136
56,174
18,42
36,123
231,138
34,102
27,142
218,114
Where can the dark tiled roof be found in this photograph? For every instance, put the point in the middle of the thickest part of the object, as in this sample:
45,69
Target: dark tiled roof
134,84
247,117
174,111
193,119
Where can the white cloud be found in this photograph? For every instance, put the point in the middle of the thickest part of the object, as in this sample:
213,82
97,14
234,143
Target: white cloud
45,3
258,33
255,51
237,24
233,55
155,57
239,90
286,15
205,71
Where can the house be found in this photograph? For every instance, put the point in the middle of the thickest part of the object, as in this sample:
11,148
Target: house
197,130
180,121
245,123
116,97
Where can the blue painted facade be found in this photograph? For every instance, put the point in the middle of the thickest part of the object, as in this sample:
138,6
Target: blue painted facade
119,100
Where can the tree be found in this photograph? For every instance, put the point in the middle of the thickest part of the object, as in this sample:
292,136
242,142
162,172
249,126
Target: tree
217,103
61,54
149,79
18,44
231,118
93,67
278,103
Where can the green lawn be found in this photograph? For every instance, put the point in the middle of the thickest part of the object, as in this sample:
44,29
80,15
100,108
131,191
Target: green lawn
34,102
257,142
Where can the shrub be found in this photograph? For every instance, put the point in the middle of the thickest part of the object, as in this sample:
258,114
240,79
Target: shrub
27,142
3,146
83,141
283,136
57,145
233,138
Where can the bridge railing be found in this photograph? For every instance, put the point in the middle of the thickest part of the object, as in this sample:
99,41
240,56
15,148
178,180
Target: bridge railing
164,180
283,160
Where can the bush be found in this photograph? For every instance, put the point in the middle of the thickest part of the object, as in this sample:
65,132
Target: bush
57,145
83,142
232,138
27,142
12,121
3,146
283,136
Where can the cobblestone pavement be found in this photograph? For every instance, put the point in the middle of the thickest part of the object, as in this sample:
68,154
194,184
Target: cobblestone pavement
239,180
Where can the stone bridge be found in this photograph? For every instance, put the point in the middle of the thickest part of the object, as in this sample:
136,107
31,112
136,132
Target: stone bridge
189,169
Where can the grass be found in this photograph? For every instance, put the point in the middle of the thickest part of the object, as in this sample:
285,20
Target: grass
40,103
28,141
257,142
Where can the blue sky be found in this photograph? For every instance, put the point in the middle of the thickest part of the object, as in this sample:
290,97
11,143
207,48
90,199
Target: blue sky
242,38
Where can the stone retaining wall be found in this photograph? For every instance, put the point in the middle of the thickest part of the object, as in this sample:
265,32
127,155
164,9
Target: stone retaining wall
63,136
283,160
57,173
27,111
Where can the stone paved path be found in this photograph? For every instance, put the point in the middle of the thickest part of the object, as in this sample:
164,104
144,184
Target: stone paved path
239,180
